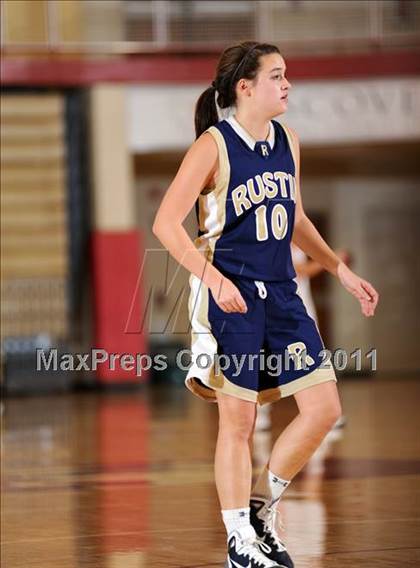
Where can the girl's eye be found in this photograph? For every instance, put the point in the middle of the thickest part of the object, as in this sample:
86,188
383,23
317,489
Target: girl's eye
277,76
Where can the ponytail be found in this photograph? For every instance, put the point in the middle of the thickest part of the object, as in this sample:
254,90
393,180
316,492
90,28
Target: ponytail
205,111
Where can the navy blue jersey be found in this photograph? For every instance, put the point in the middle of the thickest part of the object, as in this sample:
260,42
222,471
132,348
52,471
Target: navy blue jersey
246,220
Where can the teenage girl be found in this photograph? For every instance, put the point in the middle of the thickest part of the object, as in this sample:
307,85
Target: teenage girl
242,176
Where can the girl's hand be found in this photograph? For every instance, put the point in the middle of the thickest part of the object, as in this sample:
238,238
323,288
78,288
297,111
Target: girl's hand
227,296
360,288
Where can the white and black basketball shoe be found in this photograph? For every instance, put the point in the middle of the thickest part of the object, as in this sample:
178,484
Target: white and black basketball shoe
263,519
245,551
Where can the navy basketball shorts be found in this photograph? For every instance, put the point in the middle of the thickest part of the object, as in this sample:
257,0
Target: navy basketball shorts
272,351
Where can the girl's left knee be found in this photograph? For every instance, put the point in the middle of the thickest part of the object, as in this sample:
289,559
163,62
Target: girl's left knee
321,404
333,412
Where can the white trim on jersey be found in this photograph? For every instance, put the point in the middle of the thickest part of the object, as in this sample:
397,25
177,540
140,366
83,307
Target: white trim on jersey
246,137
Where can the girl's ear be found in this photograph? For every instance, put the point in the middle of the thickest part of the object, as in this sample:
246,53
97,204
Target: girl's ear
244,85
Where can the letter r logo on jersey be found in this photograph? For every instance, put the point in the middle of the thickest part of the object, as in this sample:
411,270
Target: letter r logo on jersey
298,352
263,149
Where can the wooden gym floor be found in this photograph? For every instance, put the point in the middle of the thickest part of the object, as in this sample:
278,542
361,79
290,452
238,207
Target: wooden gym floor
125,480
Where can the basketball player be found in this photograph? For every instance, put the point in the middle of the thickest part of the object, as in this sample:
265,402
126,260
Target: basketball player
244,172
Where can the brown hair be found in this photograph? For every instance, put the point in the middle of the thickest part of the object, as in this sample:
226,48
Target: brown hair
236,62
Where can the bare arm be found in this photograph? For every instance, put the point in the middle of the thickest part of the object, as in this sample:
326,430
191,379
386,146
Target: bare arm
194,173
311,268
308,269
305,235
307,238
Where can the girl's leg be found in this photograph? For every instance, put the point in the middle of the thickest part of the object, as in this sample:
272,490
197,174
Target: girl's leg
233,464
319,408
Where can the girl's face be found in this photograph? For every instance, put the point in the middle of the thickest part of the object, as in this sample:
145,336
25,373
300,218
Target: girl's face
267,93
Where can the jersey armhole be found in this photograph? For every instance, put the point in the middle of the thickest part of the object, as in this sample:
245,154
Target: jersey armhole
292,146
222,177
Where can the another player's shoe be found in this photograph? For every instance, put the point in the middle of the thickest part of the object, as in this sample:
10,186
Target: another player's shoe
245,551
263,519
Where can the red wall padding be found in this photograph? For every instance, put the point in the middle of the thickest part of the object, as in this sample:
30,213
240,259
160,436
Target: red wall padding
118,301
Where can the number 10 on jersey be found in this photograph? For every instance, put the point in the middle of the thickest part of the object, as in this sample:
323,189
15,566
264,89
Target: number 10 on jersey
279,222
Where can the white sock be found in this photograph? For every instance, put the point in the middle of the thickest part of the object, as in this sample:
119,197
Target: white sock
238,519
269,486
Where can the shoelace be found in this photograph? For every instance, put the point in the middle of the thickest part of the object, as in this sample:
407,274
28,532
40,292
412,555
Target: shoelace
252,548
270,525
